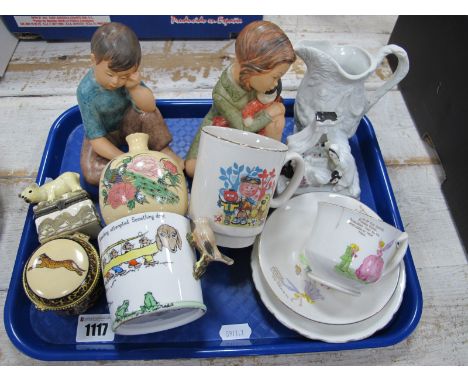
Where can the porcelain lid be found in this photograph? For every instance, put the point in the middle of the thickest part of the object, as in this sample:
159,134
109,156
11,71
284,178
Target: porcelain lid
65,201
57,268
62,274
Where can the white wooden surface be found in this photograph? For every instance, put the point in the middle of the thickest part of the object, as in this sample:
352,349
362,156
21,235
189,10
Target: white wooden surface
40,83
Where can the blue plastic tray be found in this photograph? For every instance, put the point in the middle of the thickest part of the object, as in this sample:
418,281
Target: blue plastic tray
228,292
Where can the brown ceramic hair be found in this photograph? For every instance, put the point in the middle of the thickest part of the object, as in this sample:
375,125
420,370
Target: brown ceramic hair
260,47
118,44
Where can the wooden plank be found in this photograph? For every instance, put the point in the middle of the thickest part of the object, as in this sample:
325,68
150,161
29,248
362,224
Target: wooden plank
433,238
13,212
24,127
399,141
335,24
42,68
441,337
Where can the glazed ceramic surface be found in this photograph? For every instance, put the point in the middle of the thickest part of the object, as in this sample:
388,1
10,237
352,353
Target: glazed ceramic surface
334,82
349,250
320,331
285,267
235,179
63,275
330,102
147,265
329,162
52,190
74,212
141,181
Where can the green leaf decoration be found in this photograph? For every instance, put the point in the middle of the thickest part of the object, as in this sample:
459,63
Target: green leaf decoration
108,174
157,190
127,160
174,179
131,204
105,195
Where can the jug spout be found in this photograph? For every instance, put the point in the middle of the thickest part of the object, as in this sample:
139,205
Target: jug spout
349,62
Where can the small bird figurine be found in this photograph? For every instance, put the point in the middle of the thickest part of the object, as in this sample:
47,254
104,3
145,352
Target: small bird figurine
202,238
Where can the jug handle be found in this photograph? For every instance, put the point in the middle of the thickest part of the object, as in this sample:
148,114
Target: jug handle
400,72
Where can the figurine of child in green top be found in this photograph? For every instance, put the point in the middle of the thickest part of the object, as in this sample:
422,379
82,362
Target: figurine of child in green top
114,102
263,55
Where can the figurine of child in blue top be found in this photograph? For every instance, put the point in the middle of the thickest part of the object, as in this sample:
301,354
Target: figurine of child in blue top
114,102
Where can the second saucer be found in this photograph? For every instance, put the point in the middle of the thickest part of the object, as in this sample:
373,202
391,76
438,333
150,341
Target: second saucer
285,267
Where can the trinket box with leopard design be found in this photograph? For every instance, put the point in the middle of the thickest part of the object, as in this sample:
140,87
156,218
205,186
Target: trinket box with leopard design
63,275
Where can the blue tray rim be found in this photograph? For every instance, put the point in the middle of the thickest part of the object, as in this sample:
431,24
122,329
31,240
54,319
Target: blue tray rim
196,350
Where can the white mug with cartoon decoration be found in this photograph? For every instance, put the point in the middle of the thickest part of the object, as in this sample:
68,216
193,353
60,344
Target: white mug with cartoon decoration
348,249
147,264
235,180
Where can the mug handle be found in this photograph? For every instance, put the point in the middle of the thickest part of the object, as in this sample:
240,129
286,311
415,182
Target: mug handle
294,182
399,254
400,72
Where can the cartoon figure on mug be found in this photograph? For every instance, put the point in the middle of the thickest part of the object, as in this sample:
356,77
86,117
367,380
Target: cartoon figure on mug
248,189
114,102
230,203
263,55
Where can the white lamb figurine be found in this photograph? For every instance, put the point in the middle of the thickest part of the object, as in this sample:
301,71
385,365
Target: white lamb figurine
66,182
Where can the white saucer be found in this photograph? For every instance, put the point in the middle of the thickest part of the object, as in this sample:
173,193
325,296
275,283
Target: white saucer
325,332
285,267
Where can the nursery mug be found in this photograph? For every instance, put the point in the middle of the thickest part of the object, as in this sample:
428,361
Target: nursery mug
348,249
235,179
147,264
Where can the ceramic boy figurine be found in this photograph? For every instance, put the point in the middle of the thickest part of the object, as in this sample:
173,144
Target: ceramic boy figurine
263,55
114,102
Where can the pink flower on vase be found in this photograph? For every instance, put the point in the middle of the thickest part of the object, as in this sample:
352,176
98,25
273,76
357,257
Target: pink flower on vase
169,166
146,165
120,194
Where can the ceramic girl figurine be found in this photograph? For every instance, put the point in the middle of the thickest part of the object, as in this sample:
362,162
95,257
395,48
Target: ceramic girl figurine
261,102
263,55
114,102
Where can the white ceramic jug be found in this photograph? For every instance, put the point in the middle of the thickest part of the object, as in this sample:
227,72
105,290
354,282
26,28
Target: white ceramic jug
334,82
